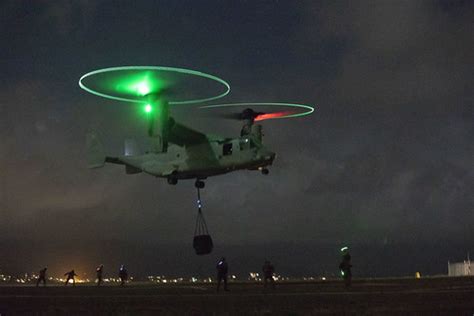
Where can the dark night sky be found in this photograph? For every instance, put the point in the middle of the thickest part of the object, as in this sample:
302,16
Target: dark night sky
385,164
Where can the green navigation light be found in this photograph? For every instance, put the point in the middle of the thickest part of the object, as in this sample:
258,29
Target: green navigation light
142,88
148,108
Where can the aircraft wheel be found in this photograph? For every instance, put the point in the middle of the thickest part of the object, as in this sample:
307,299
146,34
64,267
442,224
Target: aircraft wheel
199,184
265,171
172,181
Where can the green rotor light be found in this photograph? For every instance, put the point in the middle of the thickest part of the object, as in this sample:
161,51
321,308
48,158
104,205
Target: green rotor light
148,108
306,109
143,88
136,83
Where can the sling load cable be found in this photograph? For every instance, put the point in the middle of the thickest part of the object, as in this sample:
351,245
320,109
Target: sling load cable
202,242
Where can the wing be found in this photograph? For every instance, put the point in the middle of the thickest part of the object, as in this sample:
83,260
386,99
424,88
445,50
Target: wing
185,136
197,144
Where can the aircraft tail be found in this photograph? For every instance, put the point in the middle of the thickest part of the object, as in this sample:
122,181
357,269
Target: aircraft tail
94,151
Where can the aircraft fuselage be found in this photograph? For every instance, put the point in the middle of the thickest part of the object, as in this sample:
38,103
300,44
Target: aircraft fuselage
202,160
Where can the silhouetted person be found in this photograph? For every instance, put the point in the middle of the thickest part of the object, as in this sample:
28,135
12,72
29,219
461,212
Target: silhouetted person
123,275
222,270
346,266
99,272
42,277
70,276
268,270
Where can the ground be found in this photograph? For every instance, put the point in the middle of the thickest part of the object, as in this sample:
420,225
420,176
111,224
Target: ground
397,296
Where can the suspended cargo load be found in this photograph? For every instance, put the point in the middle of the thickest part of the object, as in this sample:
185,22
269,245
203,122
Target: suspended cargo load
202,242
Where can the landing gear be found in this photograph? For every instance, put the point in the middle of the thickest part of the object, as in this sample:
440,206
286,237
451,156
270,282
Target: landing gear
265,171
199,184
172,181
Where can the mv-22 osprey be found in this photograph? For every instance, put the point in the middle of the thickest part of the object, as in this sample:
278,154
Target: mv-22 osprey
177,151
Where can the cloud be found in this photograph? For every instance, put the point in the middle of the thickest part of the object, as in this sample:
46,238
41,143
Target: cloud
408,56
63,18
388,151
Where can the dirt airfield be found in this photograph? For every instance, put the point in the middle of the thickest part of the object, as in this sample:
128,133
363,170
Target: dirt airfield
394,296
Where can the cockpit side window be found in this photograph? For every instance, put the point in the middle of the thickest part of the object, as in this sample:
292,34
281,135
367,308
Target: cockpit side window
244,143
227,149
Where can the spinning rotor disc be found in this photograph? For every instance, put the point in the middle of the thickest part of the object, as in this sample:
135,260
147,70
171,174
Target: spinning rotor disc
269,110
138,83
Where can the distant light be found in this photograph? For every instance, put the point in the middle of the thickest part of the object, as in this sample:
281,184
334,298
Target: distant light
344,248
148,108
342,273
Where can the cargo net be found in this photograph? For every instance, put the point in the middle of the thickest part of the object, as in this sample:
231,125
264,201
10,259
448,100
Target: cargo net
202,242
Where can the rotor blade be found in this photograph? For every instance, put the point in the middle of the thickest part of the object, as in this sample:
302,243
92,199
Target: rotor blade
250,114
239,116
268,116
162,93
228,116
